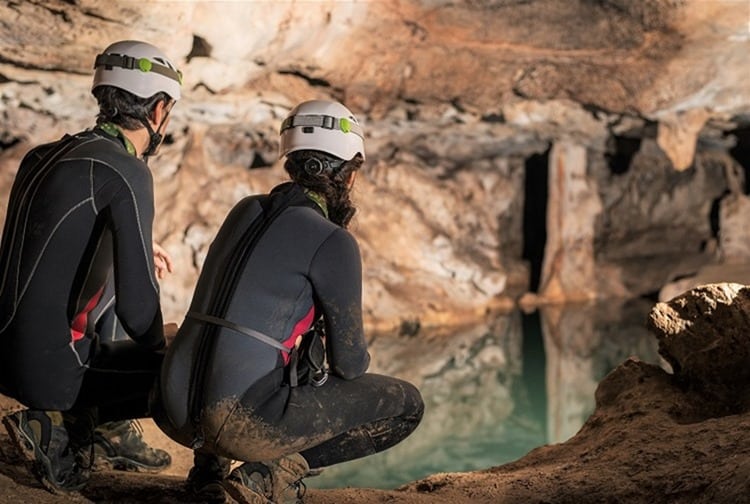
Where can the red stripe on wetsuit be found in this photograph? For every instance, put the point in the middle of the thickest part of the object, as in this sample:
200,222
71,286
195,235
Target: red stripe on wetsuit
299,328
81,321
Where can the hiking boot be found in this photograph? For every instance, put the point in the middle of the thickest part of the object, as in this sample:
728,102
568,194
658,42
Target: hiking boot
278,481
205,480
120,445
41,439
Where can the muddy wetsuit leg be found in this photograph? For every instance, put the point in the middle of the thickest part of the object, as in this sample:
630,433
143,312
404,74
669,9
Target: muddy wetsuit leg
375,435
342,420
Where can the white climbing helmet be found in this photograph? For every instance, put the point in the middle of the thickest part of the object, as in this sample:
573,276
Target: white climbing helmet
137,67
322,125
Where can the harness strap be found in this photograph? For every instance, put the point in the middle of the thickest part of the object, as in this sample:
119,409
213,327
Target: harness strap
238,328
293,364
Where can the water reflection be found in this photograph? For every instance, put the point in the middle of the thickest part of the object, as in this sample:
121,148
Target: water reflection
498,389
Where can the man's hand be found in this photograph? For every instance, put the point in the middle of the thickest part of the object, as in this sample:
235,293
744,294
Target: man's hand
162,261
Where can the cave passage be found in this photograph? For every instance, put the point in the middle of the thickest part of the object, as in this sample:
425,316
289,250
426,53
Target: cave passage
741,152
535,215
621,151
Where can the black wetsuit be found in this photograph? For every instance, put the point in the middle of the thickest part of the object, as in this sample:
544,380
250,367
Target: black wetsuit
72,221
228,390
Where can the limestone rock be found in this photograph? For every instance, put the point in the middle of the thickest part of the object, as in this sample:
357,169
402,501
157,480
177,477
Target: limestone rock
734,235
462,97
704,334
678,134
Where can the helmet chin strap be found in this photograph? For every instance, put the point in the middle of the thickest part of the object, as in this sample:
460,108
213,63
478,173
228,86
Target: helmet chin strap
154,139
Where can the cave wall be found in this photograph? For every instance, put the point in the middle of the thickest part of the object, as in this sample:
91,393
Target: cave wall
648,98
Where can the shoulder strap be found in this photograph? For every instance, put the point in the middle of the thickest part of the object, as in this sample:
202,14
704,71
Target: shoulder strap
55,153
62,147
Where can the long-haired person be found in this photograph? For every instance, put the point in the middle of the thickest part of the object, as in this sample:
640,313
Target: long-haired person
270,364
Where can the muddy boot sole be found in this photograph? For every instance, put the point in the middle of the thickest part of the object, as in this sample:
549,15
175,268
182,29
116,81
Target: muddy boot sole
243,494
124,464
27,450
212,493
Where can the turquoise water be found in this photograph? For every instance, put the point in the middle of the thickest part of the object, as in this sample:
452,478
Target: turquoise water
496,390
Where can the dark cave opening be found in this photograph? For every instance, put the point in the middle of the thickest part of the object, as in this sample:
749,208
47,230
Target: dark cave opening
620,152
7,141
201,48
536,169
741,152
713,216
258,162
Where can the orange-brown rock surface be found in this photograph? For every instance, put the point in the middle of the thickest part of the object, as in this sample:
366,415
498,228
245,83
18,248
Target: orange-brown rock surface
460,100
654,435
599,147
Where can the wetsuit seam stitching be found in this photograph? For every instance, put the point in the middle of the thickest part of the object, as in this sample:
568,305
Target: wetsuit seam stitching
88,273
91,186
138,220
18,296
19,228
104,309
31,187
78,356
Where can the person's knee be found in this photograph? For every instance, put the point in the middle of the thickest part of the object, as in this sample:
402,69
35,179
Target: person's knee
413,403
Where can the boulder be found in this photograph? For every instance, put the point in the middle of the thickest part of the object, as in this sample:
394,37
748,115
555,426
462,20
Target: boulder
704,334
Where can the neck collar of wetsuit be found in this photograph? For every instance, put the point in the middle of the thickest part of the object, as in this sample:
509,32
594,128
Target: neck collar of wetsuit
113,130
319,200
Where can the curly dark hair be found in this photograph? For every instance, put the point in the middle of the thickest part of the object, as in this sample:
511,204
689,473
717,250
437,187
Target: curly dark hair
332,184
123,108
